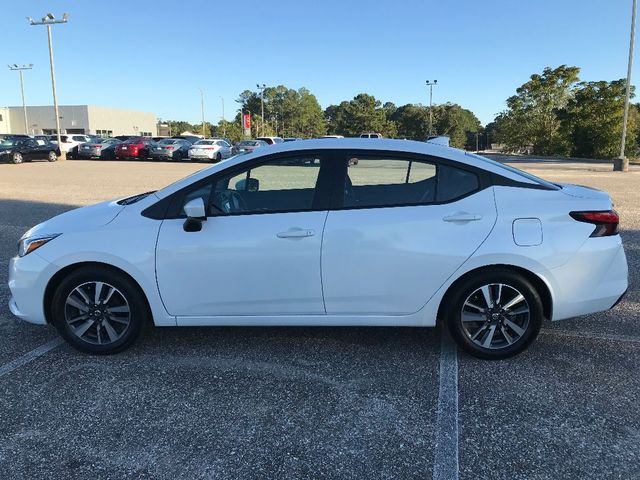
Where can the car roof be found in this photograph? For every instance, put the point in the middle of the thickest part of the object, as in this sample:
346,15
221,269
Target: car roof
384,144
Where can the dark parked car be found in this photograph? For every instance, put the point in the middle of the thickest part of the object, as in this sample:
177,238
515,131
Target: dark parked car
103,148
20,150
135,147
248,146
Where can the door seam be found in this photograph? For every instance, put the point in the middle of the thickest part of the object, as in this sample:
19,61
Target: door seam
324,225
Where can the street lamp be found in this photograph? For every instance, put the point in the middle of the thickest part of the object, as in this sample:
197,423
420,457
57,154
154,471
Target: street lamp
261,88
49,20
20,69
621,164
430,84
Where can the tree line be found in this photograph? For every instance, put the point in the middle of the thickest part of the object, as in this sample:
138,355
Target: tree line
553,113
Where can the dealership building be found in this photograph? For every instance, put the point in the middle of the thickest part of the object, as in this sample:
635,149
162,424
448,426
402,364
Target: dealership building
88,119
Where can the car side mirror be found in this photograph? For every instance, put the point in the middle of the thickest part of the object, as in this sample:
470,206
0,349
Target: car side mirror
196,214
248,185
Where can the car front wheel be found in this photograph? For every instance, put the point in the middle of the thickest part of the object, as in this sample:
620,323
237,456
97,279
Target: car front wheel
52,157
98,310
495,314
17,158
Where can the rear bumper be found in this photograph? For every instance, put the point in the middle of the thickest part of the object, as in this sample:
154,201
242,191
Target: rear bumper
594,280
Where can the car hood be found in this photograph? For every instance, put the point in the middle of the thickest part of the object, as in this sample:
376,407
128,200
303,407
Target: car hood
583,192
79,219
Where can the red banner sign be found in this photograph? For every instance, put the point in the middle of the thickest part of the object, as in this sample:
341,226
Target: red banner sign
247,120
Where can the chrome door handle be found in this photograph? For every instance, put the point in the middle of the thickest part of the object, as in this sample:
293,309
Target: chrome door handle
462,217
297,233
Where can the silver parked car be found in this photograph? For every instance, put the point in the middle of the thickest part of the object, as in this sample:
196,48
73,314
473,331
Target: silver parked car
210,149
248,146
170,149
104,148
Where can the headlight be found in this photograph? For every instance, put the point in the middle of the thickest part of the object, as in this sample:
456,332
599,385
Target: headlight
29,244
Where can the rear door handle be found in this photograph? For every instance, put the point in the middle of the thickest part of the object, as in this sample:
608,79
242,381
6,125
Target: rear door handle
462,217
297,233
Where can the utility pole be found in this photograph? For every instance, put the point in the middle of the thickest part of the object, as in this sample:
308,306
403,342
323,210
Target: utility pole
261,88
621,164
49,20
224,126
20,69
477,147
202,110
430,84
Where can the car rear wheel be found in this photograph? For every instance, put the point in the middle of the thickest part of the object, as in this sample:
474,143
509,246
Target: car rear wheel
52,157
98,311
218,157
495,314
17,158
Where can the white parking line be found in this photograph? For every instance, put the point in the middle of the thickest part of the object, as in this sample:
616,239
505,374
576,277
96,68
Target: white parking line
592,336
28,357
445,465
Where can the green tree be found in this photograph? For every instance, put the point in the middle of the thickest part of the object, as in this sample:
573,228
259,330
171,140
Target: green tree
362,114
457,123
531,119
412,121
593,118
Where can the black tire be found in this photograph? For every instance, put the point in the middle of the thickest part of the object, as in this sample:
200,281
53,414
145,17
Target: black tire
17,158
489,324
125,288
52,156
218,157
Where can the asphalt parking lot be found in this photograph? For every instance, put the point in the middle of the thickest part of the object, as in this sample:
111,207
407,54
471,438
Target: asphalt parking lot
312,402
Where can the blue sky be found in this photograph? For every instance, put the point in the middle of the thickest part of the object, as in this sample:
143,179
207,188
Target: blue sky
154,55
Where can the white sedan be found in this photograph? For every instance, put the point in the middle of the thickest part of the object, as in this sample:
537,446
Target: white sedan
329,232
212,149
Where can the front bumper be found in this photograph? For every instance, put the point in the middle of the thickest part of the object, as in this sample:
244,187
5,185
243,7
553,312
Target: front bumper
28,278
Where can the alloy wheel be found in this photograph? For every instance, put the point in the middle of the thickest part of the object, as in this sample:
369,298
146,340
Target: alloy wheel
495,316
97,313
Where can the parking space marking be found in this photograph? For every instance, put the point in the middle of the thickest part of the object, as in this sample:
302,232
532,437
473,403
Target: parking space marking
445,465
30,356
592,336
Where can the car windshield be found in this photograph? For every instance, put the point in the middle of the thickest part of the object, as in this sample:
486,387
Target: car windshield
205,142
511,169
249,143
7,142
168,141
134,140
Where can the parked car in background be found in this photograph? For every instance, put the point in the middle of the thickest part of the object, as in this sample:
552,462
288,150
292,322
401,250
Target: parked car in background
331,136
371,135
124,138
212,149
103,148
248,146
170,149
292,139
189,138
70,143
134,148
271,140
21,149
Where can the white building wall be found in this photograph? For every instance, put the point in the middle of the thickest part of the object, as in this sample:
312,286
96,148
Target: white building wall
5,123
88,119
121,122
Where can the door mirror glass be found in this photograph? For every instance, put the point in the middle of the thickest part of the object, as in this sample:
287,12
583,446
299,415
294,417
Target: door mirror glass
195,209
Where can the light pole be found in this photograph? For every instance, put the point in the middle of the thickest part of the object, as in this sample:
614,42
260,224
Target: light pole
430,84
49,20
621,164
20,69
202,110
261,88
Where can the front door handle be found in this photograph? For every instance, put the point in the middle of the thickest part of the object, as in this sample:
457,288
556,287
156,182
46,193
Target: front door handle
462,217
297,233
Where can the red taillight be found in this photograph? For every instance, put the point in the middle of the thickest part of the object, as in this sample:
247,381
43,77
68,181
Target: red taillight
606,221
168,148
97,146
